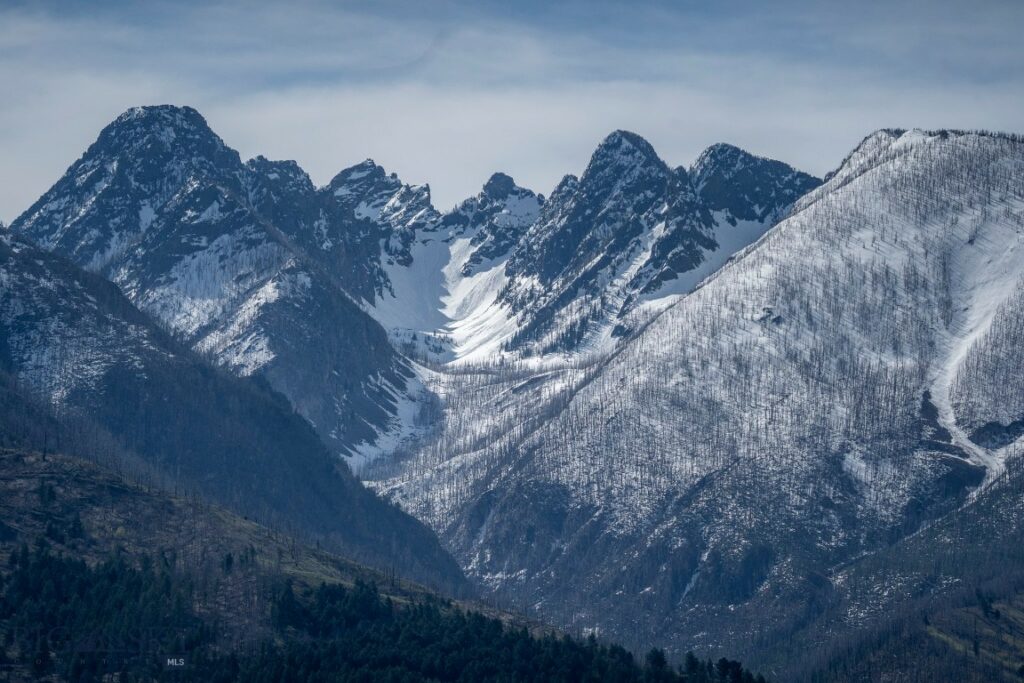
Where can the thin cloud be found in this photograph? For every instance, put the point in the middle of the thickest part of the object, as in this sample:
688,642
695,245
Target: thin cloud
449,95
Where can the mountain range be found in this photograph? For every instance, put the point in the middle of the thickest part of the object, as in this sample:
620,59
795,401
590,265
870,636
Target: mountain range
684,406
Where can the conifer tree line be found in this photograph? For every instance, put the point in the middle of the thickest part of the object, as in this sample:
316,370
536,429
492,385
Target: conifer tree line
62,620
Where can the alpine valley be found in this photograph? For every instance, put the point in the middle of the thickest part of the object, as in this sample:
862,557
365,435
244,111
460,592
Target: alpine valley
727,408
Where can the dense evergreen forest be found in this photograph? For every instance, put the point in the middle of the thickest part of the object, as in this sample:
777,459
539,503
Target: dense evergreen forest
104,579
64,620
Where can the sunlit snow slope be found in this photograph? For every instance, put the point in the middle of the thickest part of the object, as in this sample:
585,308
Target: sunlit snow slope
834,386
509,274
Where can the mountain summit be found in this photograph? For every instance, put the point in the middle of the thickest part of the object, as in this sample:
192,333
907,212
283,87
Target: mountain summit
632,230
747,187
111,194
235,259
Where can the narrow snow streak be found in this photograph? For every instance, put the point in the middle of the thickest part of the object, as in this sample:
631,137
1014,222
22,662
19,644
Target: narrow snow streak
987,273
941,387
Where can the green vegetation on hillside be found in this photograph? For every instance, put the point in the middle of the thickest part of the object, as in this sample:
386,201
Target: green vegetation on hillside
64,620
101,579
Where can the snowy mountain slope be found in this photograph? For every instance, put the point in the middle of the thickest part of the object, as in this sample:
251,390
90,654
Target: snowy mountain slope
926,605
387,214
631,229
497,218
58,354
422,275
222,254
986,391
470,250
438,276
814,399
123,390
160,205
508,273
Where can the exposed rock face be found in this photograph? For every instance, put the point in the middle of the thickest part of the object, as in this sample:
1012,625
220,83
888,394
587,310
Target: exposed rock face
631,229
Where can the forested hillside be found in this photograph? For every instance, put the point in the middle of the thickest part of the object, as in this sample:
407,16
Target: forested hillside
943,604
99,577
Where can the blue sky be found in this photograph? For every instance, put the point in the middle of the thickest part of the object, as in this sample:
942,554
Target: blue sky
447,92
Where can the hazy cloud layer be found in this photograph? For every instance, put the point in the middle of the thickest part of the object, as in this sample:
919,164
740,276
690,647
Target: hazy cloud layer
447,93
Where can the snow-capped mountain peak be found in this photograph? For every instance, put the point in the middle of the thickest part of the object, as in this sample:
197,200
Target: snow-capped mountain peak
364,185
865,150
499,186
622,150
748,187
493,221
367,193
284,173
110,196
181,129
632,230
240,260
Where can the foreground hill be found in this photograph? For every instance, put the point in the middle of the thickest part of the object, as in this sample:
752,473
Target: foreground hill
101,577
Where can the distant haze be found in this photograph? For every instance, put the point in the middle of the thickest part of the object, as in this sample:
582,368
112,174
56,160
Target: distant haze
446,93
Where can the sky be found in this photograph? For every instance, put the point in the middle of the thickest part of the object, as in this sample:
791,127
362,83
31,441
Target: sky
446,93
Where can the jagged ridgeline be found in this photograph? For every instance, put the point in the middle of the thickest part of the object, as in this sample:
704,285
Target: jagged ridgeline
255,267
631,231
241,262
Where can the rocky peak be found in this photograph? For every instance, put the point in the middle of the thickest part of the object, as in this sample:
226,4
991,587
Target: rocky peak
621,156
163,132
364,173
364,189
111,195
409,207
745,186
565,188
499,186
495,219
719,157
286,173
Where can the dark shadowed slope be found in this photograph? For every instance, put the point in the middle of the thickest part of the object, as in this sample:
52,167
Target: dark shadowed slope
85,352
